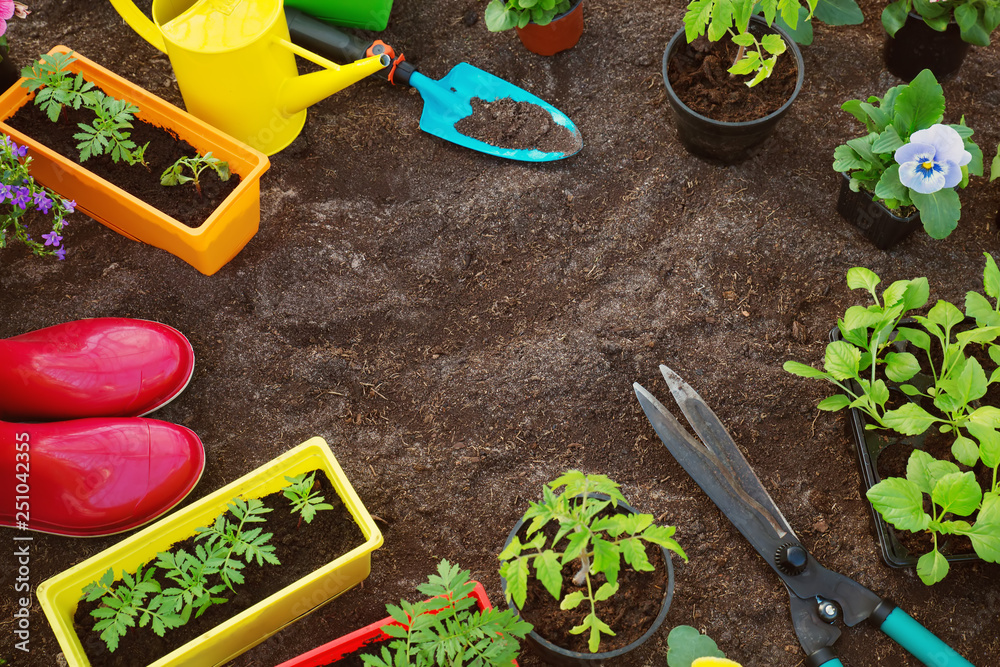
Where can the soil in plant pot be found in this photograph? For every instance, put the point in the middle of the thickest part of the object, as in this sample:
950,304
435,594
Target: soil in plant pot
698,75
630,612
301,548
182,202
521,125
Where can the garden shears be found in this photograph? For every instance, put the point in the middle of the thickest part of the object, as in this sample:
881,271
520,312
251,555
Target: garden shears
819,597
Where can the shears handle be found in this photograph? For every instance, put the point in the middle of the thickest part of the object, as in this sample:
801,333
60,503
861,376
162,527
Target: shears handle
909,634
920,641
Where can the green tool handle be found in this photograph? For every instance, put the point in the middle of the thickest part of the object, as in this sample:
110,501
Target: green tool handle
339,46
920,641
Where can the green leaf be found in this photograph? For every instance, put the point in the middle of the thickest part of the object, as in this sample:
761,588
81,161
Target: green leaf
548,569
888,141
991,277
976,306
839,12
696,19
958,493
932,567
918,105
842,360
685,645
744,39
800,369
900,503
965,451
773,44
901,366
889,186
833,403
606,590
989,443
894,16
572,600
606,558
910,419
845,159
924,471
939,211
859,277
985,535
916,337
945,315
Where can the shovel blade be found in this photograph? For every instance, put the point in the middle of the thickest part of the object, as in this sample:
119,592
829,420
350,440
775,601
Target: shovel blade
449,100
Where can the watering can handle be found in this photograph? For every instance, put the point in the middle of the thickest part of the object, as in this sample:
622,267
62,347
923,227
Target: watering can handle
140,23
339,46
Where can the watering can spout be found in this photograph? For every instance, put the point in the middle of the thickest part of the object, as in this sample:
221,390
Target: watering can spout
304,90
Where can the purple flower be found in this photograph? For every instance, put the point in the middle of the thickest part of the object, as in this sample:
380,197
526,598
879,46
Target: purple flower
5,193
933,159
20,150
23,198
52,238
60,253
70,205
43,202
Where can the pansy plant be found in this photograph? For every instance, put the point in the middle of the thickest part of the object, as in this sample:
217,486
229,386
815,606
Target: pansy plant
908,158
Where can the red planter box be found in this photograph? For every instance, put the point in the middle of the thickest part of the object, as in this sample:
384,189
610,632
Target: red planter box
338,648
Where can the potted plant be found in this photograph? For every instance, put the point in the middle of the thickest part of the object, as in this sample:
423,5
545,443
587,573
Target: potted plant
566,552
129,562
906,167
442,630
925,34
545,27
207,246
720,113
924,378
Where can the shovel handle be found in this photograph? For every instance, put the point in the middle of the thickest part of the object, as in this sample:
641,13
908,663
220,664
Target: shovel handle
339,46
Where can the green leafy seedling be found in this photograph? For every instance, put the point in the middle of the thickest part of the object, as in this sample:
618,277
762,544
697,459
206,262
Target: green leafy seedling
122,604
194,590
596,544
229,540
106,134
56,86
306,500
174,174
445,631
685,645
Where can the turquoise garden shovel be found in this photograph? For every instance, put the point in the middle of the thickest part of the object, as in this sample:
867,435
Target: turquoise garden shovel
446,101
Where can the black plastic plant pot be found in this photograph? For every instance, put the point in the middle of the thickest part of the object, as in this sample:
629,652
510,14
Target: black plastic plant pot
872,218
721,141
869,446
917,47
554,654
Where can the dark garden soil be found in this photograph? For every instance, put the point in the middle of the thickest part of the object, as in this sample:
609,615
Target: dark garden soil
462,329
511,124
183,202
699,76
353,659
300,547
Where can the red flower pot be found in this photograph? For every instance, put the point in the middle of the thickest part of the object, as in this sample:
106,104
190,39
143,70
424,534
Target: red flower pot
338,648
562,33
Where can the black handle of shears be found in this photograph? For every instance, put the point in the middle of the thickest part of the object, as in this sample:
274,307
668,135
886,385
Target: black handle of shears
341,47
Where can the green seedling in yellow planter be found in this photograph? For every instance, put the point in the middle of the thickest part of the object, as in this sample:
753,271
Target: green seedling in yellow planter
306,501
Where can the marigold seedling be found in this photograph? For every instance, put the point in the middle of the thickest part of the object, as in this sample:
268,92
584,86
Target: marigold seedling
444,631
56,86
306,500
106,133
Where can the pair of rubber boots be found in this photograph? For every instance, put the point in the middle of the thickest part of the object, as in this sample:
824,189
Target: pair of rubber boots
101,469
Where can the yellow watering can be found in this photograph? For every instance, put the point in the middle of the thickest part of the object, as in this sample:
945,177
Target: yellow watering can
235,65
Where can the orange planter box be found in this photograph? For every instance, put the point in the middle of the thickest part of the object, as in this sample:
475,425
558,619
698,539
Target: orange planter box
207,247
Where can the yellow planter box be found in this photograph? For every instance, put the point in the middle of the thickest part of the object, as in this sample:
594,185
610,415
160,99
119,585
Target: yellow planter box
60,595
207,247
